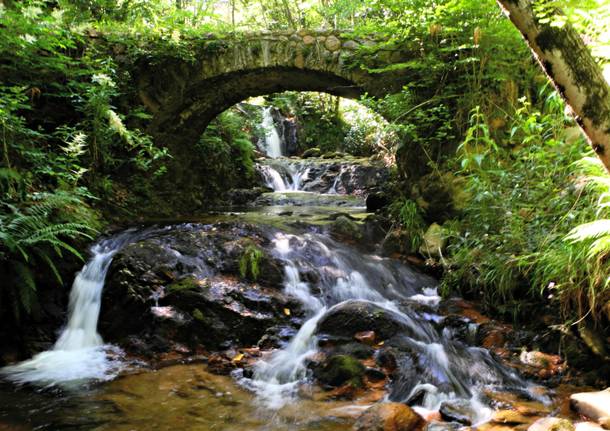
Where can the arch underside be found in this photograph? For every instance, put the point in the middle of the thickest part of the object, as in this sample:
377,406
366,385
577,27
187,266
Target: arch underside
206,99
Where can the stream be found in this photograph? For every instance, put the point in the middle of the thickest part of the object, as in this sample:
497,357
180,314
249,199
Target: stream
326,290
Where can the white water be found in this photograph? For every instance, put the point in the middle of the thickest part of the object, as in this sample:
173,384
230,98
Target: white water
333,188
291,180
463,372
79,353
273,143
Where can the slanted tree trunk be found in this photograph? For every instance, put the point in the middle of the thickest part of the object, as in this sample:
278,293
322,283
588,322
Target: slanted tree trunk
571,68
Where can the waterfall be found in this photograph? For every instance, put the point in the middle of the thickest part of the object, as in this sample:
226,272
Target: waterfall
284,175
79,353
333,188
273,142
273,179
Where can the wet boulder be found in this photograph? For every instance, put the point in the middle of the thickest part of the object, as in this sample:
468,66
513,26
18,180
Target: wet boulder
344,175
389,417
351,317
458,411
195,285
345,229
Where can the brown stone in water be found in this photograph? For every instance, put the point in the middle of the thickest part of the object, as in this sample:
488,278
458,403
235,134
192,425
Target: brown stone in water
495,338
389,417
510,417
345,392
220,364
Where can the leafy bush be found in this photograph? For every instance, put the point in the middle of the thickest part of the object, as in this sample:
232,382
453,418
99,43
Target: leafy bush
526,195
226,153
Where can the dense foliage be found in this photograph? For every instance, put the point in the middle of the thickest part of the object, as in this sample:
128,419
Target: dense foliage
482,144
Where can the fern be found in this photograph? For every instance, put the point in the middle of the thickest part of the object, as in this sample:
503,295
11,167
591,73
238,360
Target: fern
34,233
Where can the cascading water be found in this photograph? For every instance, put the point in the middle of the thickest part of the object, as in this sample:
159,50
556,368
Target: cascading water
282,177
446,369
333,188
79,353
273,142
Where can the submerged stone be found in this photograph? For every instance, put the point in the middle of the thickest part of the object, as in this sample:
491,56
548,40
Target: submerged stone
458,411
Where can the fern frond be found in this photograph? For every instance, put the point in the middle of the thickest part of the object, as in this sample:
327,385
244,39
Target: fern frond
589,231
599,246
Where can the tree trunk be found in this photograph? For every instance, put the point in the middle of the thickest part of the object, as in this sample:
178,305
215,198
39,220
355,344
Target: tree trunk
566,60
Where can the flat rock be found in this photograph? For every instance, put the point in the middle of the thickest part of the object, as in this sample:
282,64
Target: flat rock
594,405
510,417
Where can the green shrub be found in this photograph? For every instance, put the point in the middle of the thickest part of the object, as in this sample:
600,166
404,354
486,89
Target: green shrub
526,195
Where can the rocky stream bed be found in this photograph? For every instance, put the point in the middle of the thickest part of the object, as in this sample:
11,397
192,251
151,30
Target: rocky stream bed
285,313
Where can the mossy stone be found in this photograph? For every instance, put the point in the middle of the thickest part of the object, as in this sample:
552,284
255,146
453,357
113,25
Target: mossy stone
188,283
340,370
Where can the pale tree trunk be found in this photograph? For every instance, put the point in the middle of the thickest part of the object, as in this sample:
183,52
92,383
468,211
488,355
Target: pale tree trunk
571,68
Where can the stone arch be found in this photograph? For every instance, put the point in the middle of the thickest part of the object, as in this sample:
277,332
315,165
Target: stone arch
186,95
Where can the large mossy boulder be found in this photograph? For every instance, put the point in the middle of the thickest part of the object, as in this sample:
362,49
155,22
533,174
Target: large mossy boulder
433,241
440,196
346,229
311,152
197,285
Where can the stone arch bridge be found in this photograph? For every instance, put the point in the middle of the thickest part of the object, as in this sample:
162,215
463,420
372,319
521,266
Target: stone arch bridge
185,91
185,95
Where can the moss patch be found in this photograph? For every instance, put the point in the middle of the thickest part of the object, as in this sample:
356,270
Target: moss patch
189,283
342,369
249,263
198,315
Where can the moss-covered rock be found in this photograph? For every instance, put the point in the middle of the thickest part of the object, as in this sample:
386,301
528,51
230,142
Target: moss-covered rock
188,283
346,229
183,285
339,370
311,152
